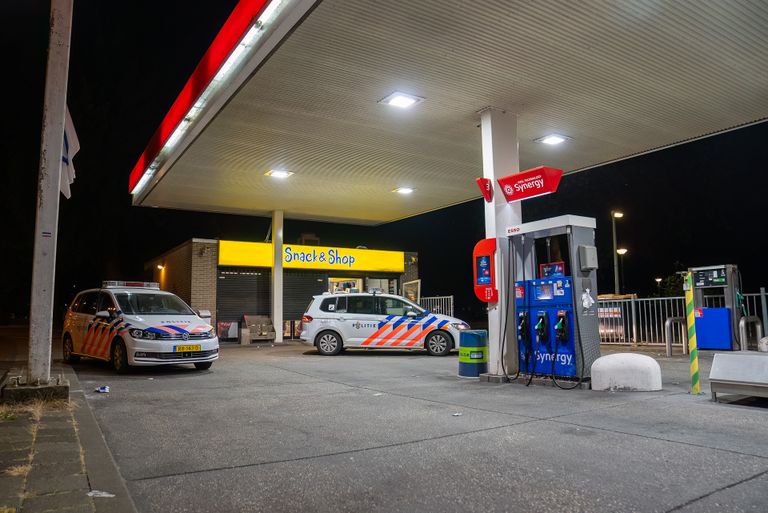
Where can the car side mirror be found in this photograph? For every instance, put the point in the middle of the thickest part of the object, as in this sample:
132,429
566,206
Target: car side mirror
103,314
411,313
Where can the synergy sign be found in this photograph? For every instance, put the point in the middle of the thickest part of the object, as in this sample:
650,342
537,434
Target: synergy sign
295,256
529,184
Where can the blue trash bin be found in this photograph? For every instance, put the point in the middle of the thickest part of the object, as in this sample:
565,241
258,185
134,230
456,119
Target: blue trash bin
473,353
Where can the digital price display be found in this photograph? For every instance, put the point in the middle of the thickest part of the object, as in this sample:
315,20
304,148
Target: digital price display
544,291
483,270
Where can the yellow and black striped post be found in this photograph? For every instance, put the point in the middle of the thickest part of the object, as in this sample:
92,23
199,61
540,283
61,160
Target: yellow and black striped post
692,350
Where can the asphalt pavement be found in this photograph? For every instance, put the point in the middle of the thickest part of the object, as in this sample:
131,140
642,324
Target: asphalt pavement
284,429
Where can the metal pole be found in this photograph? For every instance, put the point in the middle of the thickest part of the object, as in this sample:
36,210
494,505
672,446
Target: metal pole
46,224
277,274
764,306
634,320
615,259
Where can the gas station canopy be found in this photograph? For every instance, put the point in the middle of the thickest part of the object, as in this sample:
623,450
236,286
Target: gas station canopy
617,79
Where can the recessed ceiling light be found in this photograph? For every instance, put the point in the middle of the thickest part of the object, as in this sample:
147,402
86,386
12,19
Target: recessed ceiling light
404,190
278,173
552,139
402,100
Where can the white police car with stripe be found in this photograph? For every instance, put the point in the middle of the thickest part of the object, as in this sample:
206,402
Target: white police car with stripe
135,323
377,321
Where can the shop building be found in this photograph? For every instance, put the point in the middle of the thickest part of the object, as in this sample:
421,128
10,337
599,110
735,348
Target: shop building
232,279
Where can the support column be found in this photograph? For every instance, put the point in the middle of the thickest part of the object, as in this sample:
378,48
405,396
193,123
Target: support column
277,274
500,158
47,221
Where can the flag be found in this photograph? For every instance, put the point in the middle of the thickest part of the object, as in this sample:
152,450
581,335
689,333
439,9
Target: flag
71,147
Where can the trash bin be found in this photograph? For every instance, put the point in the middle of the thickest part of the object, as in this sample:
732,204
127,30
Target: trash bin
473,353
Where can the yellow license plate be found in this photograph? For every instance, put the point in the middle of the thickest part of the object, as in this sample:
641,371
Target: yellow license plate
186,349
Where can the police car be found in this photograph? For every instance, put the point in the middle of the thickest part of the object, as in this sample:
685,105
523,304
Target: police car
135,323
377,321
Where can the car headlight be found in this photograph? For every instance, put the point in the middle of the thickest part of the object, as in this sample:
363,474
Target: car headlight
460,325
147,335
210,334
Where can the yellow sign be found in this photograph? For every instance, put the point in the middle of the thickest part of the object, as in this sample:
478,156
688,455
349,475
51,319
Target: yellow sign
249,254
259,254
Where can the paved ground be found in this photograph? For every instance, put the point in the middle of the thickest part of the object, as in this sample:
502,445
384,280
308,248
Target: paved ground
283,429
54,458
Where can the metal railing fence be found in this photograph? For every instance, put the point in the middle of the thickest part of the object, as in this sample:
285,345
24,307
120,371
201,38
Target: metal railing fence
438,304
752,302
641,320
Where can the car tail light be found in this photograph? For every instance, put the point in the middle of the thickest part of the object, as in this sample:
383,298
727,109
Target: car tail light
306,318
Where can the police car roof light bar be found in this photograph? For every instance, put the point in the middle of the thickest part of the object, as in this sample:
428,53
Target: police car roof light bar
135,284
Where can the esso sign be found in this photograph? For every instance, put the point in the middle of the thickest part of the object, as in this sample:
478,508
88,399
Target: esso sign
484,271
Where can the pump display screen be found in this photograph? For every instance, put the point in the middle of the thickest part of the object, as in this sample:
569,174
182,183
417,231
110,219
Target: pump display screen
483,269
544,291
709,277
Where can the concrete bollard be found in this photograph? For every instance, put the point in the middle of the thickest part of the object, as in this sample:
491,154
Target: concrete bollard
626,371
245,337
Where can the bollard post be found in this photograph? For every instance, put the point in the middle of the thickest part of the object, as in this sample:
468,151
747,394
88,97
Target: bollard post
695,384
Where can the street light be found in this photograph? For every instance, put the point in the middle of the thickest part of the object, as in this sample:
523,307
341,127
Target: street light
621,252
615,214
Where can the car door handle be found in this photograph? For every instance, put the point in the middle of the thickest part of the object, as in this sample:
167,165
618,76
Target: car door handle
342,319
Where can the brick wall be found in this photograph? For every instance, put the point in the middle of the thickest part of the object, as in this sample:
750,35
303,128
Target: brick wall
175,275
205,259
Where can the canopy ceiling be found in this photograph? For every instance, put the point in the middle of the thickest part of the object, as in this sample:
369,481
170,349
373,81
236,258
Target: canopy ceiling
618,78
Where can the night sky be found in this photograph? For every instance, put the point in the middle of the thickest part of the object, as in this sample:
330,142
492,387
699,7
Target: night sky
697,204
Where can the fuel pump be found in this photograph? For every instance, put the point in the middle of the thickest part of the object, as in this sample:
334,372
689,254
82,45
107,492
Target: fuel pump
557,323
718,306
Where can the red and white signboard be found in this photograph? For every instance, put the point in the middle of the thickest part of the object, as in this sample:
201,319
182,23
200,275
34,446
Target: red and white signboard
486,187
531,183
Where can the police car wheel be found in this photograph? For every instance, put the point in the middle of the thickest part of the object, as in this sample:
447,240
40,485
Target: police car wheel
67,350
119,357
203,365
438,343
328,343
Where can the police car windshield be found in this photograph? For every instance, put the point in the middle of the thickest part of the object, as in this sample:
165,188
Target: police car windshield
143,303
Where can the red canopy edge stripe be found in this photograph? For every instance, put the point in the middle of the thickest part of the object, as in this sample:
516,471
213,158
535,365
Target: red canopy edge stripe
228,37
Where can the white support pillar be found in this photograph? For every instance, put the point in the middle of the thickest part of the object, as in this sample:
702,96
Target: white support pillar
277,274
500,158
47,221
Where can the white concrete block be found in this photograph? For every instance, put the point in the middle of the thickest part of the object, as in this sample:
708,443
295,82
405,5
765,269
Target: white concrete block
626,371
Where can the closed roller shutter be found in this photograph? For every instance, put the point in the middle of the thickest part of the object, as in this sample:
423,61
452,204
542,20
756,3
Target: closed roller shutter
298,289
243,290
